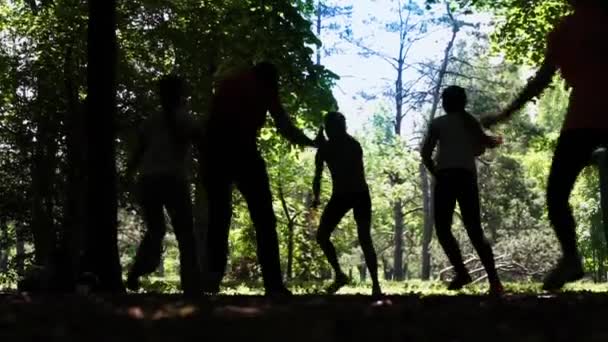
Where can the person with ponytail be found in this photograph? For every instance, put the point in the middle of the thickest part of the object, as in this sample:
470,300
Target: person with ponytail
578,48
344,158
163,159
460,139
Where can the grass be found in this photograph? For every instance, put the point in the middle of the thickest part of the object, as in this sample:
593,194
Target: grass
409,287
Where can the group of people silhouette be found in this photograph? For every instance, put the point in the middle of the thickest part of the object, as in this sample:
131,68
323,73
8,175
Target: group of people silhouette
229,157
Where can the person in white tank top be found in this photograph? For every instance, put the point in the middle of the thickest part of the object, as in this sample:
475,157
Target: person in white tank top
460,139
163,159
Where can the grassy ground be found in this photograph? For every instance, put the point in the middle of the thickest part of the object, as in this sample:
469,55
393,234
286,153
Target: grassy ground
410,287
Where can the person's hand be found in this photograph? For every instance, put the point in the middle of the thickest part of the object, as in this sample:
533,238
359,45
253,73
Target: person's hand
497,140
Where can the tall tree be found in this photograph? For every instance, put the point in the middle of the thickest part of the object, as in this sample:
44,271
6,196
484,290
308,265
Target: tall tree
328,12
101,253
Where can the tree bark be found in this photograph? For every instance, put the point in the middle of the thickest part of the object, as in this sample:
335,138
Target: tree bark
398,273
290,237
362,270
398,217
3,247
101,241
427,234
20,250
74,209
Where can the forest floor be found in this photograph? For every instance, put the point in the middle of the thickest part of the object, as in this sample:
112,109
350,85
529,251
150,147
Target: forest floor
412,316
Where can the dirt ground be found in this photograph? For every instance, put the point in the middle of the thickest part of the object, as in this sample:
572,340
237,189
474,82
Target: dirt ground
565,317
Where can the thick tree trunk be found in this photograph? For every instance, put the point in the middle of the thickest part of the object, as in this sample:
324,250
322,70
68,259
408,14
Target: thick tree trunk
43,171
101,241
74,208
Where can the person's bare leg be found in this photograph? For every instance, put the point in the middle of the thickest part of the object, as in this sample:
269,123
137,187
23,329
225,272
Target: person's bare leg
180,211
468,200
255,187
149,252
445,203
571,155
363,216
220,212
333,213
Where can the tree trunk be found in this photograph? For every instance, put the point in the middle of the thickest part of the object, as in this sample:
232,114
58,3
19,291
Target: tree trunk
74,209
43,171
427,191
3,247
290,237
427,234
101,247
398,273
20,250
362,270
398,217
161,266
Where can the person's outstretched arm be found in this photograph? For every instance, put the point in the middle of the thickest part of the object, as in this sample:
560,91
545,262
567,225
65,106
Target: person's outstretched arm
316,182
534,88
430,141
285,125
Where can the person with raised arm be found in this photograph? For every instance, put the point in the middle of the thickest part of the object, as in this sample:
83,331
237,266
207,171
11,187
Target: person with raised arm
578,48
460,139
344,158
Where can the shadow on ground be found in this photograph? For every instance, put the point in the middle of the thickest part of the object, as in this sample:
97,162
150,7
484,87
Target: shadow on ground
567,317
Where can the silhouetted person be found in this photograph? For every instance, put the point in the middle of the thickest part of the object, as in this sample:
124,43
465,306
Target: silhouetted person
238,112
460,139
344,158
163,156
578,47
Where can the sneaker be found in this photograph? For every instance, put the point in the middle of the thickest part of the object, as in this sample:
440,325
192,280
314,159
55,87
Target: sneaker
376,291
567,270
280,291
211,289
496,290
340,281
133,283
460,281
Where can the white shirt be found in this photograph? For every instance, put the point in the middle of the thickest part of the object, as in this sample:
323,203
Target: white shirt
459,142
164,155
